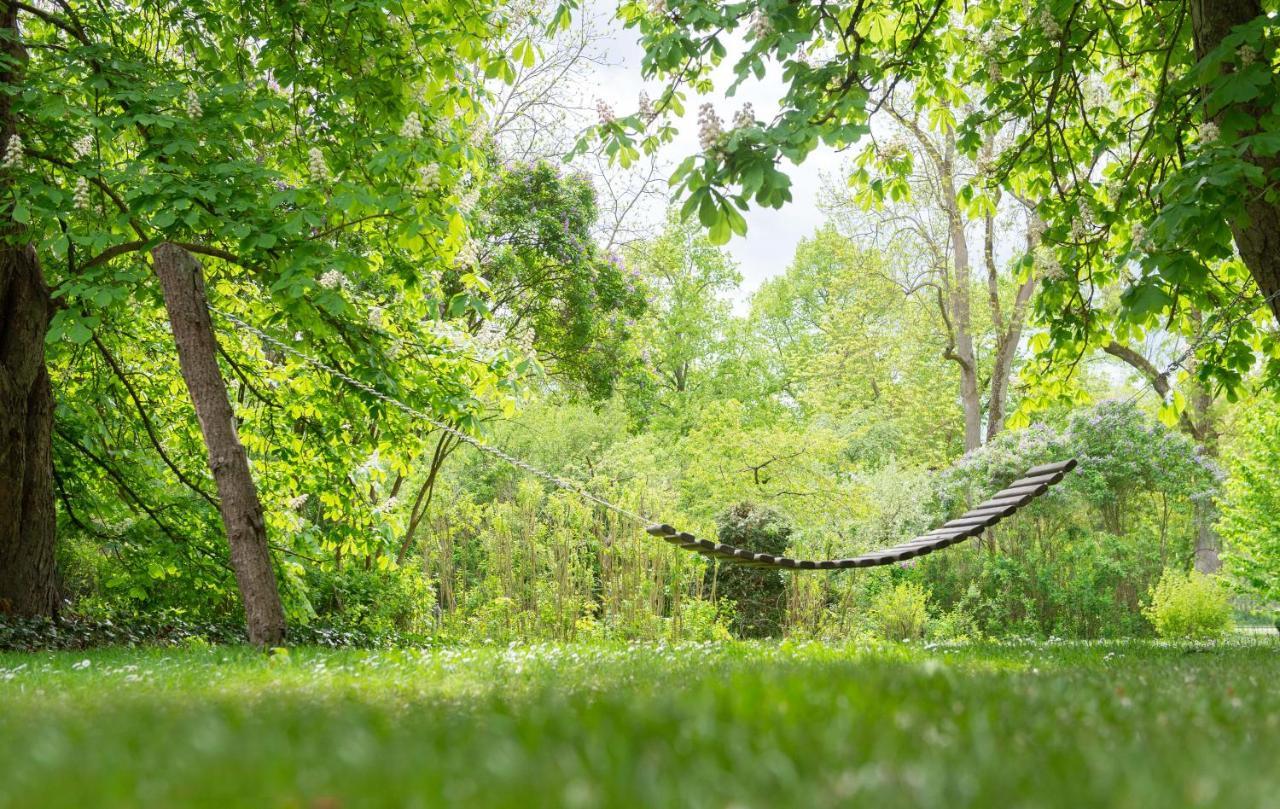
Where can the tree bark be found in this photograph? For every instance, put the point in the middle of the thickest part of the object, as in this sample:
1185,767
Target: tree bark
28,521
27,517
1257,235
182,281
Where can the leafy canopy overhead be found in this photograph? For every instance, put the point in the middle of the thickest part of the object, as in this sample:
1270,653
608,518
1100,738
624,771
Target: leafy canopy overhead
1139,155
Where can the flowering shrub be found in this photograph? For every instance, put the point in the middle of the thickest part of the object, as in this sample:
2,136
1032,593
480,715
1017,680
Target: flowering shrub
1189,606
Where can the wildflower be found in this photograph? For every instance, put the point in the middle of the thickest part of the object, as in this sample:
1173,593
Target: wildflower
604,111
13,153
746,117
80,196
761,27
193,105
647,112
318,169
412,128
83,146
332,280
709,127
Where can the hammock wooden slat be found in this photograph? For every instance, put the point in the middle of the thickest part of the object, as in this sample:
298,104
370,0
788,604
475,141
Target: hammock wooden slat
1001,505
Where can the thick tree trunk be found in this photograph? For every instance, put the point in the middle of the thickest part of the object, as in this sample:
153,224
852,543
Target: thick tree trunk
27,517
1257,236
184,298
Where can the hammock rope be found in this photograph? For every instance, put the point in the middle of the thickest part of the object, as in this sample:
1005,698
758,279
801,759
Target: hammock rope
1001,505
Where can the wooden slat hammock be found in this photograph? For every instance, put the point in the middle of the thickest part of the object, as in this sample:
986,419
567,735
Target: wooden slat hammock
1002,504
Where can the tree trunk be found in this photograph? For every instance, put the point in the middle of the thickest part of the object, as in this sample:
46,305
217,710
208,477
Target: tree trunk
184,298
27,517
1257,235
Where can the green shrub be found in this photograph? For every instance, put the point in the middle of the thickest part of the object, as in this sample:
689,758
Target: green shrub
899,611
954,625
1189,606
759,596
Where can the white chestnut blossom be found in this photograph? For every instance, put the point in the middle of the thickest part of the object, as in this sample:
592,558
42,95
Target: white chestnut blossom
1209,133
316,167
80,196
428,175
375,317
82,146
332,280
647,112
1246,55
1049,23
710,128
194,109
746,117
14,155
659,7
761,27
604,111
412,128
296,503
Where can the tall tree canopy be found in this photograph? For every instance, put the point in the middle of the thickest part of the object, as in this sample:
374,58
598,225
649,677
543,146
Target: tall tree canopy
1145,134
323,166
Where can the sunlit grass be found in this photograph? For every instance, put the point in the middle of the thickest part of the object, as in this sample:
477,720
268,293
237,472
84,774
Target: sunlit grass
739,725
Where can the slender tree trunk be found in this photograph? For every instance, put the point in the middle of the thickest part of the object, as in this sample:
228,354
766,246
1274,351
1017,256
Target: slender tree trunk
27,517
1257,234
182,281
961,320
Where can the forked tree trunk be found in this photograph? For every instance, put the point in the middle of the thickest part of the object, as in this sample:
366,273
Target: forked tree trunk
27,517
182,281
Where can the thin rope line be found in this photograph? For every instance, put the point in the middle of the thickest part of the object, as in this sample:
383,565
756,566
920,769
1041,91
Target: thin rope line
554,480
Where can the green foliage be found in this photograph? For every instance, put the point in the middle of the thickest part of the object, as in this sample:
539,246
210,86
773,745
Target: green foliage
899,611
1187,605
758,596
1250,522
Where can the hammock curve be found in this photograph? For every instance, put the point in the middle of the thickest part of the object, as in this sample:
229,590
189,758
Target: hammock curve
1004,503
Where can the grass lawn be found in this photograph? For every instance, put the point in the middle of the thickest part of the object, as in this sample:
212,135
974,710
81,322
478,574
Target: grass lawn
732,725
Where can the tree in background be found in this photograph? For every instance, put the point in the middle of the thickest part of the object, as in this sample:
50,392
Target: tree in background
920,199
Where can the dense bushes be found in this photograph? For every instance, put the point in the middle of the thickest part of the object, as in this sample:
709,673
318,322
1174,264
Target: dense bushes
1078,562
